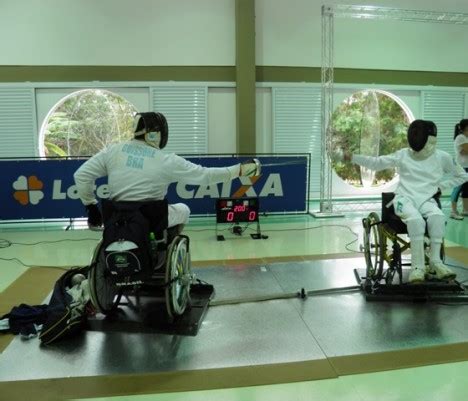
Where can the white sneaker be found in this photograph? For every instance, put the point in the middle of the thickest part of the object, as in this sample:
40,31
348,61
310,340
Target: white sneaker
416,276
440,271
456,216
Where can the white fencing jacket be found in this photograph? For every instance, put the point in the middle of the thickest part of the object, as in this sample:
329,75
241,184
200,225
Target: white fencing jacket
419,179
137,172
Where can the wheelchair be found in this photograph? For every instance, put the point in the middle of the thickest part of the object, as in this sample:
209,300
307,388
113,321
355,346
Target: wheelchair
384,245
139,253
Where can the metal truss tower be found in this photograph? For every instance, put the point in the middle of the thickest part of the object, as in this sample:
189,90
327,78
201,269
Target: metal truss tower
329,13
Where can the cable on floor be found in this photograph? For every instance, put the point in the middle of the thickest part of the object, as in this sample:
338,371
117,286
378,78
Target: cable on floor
25,265
4,243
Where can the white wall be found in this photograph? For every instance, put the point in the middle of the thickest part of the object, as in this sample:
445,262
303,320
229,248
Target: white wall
288,33
202,33
117,32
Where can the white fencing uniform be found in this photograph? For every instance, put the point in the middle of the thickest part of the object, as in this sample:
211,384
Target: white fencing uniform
419,181
139,172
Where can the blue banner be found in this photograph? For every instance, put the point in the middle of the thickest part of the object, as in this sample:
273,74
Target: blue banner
44,189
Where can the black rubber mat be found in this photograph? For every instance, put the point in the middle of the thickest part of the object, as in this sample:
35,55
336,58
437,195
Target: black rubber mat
147,314
437,291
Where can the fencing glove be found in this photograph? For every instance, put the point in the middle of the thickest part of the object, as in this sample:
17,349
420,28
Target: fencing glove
250,168
94,216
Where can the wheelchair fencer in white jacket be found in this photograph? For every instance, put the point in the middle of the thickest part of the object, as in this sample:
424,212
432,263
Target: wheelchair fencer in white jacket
140,170
424,171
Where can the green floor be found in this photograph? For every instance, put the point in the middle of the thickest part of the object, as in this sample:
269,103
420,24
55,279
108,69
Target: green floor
288,236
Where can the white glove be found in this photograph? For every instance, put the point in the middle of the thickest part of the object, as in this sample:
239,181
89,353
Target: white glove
250,168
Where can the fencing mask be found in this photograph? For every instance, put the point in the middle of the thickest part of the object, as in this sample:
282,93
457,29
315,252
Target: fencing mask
153,127
422,139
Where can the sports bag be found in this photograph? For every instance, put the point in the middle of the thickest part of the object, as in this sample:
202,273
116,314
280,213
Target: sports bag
65,315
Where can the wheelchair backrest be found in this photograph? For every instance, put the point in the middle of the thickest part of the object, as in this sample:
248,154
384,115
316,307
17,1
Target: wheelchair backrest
156,212
129,252
388,214
388,210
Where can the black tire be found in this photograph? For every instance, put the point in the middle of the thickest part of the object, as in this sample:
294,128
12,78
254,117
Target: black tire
374,246
105,295
178,277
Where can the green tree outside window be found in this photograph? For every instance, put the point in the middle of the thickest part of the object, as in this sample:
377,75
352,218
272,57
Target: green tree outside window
370,123
86,122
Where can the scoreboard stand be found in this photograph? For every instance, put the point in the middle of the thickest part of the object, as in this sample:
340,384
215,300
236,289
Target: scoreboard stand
238,210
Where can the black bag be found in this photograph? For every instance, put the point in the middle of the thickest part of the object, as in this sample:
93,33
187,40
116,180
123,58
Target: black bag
63,318
134,238
126,243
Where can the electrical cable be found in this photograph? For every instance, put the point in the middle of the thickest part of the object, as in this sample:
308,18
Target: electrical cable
237,229
4,243
25,265
55,241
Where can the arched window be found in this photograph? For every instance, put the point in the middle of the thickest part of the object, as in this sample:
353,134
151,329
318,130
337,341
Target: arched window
372,123
85,122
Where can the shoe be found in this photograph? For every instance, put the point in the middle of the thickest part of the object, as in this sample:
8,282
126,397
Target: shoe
416,276
457,216
441,272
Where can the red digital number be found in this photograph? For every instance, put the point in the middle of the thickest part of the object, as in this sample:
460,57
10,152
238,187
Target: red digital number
239,208
252,215
230,216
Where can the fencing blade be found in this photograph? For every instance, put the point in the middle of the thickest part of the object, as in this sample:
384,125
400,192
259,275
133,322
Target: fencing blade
290,163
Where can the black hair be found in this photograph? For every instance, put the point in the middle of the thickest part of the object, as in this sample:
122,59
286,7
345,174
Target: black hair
460,127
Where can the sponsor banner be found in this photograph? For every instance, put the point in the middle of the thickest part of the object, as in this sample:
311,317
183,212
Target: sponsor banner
45,189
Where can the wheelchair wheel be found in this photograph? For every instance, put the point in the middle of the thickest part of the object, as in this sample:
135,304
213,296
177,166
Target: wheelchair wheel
105,295
178,277
374,246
